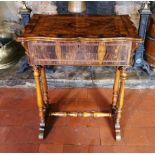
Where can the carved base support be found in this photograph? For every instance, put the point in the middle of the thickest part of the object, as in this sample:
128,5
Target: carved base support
44,87
115,90
114,107
40,102
120,103
81,114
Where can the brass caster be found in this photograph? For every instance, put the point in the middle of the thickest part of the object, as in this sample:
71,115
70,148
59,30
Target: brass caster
41,136
118,132
41,131
118,136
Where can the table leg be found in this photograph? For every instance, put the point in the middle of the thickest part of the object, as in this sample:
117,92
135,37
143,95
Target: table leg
115,90
40,102
120,103
44,86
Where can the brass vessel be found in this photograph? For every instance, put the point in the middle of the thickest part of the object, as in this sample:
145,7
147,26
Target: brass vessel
10,50
76,6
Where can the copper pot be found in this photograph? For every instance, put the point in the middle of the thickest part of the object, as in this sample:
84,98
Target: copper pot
10,50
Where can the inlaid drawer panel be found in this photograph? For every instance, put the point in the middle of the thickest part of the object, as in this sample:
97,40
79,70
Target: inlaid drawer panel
79,53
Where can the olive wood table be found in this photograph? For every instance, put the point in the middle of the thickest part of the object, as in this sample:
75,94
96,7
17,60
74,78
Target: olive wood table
80,41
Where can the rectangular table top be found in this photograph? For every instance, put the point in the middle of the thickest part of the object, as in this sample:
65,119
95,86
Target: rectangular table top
80,40
76,26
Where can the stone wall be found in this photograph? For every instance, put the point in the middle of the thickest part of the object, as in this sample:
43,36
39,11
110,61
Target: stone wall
129,7
10,19
43,7
9,10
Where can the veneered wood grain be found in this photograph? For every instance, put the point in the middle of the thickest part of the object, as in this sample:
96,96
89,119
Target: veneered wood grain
75,26
80,53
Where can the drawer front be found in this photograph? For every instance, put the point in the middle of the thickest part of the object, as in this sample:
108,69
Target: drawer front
117,53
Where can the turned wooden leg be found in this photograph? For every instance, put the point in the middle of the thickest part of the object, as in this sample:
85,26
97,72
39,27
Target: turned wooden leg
115,90
44,86
40,102
120,102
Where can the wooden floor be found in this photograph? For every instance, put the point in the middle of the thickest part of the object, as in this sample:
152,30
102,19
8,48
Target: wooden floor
19,122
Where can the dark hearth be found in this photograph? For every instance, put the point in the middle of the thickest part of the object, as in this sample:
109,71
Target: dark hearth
92,7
